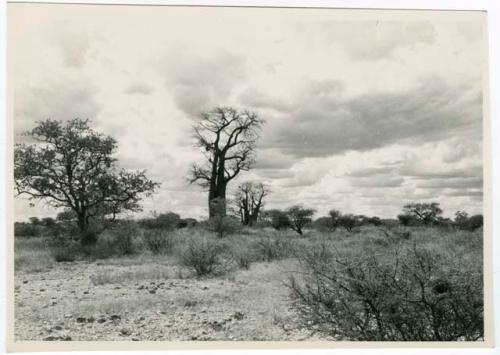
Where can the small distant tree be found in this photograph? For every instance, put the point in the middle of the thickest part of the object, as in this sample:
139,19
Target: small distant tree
461,216
426,213
250,200
376,221
475,222
347,221
325,224
334,217
48,222
277,219
299,217
70,165
35,221
463,221
168,220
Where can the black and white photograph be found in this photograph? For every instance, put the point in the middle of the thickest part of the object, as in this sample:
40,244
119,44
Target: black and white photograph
211,173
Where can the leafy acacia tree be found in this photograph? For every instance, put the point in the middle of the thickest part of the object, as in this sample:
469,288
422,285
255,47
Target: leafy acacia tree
71,165
249,201
227,139
277,219
299,217
427,213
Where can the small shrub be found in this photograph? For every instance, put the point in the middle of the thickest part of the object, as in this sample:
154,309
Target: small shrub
159,241
64,246
105,247
204,256
243,255
124,234
67,252
223,226
88,238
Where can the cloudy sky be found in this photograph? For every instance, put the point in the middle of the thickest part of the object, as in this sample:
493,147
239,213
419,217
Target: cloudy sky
365,111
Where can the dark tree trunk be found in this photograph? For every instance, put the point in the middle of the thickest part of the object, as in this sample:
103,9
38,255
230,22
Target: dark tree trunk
83,222
217,191
88,237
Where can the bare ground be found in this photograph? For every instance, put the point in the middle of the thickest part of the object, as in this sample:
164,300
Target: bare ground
133,299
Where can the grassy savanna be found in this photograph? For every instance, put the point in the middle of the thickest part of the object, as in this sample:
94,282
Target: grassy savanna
253,284
243,273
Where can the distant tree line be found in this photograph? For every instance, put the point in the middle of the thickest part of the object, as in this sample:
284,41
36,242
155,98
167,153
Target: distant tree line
71,166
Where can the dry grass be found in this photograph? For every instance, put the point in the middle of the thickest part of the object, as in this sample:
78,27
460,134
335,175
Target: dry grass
109,275
259,261
32,255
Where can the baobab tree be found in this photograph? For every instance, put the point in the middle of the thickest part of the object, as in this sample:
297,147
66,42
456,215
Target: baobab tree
249,201
227,139
71,166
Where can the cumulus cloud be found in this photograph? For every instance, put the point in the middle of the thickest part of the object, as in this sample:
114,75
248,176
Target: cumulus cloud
376,39
74,44
57,98
325,125
452,183
361,115
378,180
139,88
201,80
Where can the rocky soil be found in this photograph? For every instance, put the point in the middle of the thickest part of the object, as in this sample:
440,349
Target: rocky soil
90,301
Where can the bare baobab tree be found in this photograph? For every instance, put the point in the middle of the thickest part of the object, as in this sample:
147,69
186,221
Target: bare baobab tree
227,139
249,200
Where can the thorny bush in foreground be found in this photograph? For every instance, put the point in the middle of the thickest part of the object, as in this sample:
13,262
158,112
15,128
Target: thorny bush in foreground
412,296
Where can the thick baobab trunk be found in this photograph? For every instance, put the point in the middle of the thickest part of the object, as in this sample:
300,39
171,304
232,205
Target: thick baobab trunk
217,192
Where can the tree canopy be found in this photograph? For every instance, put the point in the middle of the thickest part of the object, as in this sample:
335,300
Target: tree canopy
70,165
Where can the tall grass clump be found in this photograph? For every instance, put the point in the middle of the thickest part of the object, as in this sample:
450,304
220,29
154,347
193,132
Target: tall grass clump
32,255
272,248
63,245
242,253
413,294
